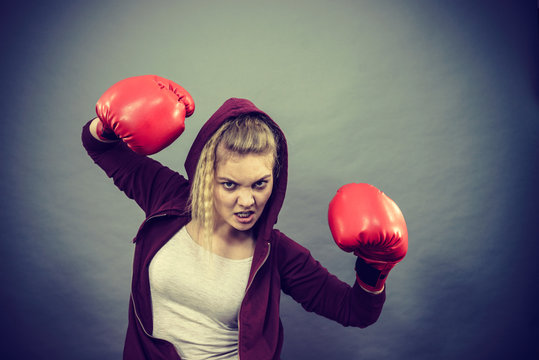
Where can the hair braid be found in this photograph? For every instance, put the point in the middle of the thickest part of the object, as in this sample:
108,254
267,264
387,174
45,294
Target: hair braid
242,135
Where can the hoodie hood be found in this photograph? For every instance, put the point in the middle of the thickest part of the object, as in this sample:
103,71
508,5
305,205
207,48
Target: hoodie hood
230,109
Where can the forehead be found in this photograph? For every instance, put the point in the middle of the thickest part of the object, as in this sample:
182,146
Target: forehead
234,165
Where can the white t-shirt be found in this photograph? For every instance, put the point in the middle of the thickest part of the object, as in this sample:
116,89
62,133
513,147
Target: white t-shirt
196,297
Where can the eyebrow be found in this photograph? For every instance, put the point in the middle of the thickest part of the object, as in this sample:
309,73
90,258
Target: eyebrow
224,178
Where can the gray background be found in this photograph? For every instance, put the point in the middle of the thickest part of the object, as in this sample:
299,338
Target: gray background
434,102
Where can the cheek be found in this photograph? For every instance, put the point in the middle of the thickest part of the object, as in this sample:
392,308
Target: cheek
264,197
219,199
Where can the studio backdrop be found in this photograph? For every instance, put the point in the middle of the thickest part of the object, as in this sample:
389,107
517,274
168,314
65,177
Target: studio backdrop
434,102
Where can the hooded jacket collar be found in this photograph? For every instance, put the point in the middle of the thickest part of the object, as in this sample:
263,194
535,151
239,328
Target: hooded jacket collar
230,109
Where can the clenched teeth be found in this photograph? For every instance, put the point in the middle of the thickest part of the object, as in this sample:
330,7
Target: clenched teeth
244,214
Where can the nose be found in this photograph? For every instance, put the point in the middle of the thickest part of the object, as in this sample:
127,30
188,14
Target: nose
246,198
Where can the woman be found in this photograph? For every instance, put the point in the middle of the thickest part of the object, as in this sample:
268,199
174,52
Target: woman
209,266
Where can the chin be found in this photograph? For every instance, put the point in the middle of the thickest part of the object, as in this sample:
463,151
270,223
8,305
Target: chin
243,227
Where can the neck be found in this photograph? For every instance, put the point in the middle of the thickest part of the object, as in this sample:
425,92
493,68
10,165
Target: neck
221,232
224,240
231,235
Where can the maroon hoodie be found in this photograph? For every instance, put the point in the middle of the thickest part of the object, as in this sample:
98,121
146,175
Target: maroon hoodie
278,264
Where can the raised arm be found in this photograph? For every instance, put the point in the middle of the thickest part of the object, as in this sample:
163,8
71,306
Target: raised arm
139,116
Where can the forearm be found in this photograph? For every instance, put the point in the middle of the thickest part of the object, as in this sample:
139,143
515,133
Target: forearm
319,291
116,160
350,305
141,178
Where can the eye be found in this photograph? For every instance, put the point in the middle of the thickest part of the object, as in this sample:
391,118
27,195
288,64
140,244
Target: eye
261,184
228,185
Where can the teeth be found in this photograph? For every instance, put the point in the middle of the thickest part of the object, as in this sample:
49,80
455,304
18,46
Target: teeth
244,214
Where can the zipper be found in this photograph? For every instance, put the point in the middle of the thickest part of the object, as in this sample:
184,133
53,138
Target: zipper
241,306
145,221
132,298
138,318
247,289
152,217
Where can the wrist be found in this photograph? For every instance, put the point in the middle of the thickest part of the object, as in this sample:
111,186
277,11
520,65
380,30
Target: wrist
100,133
369,277
372,291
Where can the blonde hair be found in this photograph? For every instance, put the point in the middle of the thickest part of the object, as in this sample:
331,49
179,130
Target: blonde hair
246,134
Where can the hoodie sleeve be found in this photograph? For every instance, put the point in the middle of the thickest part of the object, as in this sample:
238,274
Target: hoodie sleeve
141,178
318,291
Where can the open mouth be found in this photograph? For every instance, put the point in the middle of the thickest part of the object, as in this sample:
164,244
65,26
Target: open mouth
244,216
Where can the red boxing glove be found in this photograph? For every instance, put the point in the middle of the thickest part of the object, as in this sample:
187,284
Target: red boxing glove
147,112
366,221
